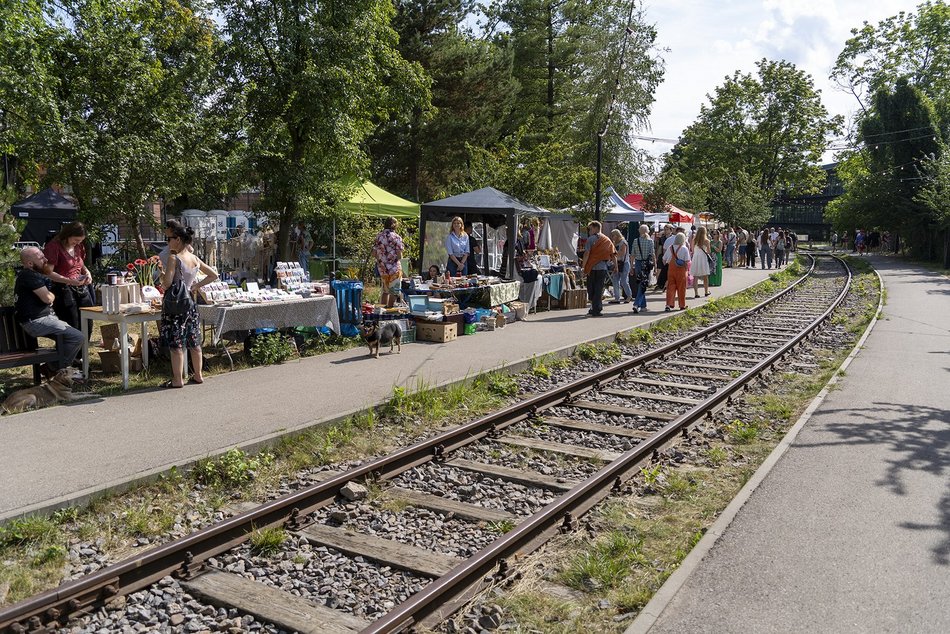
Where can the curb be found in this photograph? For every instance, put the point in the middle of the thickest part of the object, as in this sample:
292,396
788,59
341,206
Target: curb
255,445
652,611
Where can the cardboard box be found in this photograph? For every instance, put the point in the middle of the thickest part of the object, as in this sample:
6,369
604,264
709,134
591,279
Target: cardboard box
450,308
134,343
111,362
436,331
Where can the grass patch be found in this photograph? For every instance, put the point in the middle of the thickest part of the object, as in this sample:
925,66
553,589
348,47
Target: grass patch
234,469
742,432
267,541
605,353
637,336
604,563
502,527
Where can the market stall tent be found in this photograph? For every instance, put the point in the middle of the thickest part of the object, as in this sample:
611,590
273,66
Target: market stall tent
617,210
675,213
488,206
370,200
45,212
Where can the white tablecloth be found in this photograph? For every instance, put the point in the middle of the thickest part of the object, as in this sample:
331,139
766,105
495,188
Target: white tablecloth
313,311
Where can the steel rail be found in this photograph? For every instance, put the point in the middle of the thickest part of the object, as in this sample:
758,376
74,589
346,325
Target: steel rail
183,557
578,500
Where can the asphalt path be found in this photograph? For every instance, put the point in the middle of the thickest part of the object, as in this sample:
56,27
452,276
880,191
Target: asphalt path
850,531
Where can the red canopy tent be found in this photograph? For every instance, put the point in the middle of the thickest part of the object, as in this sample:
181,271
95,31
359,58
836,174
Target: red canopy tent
676,214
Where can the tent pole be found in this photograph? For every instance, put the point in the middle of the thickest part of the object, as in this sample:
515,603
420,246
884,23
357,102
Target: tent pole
334,247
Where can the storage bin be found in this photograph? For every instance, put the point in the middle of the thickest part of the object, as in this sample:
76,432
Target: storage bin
349,302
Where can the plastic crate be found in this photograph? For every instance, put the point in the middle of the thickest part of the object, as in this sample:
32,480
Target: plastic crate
349,305
409,335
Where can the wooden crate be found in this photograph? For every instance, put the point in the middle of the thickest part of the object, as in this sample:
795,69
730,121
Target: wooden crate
436,331
573,299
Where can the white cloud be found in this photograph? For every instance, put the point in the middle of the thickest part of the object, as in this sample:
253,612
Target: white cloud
710,40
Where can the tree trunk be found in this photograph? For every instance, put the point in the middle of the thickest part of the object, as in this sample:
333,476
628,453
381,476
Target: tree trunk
551,67
286,220
139,241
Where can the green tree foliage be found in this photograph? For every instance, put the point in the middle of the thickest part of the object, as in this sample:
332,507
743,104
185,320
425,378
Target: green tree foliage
26,100
425,157
10,230
544,174
766,131
914,46
883,180
127,82
566,61
318,78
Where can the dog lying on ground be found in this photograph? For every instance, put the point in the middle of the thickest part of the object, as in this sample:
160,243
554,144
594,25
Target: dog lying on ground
376,335
59,389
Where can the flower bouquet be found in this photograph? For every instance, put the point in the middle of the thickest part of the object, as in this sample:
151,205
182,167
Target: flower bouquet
145,273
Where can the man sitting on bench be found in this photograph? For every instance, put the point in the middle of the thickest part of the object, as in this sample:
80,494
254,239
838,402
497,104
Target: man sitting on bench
34,312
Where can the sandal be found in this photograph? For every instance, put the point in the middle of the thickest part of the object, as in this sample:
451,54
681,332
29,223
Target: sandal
169,385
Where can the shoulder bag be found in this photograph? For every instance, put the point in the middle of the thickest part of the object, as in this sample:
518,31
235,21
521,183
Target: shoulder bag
679,261
177,300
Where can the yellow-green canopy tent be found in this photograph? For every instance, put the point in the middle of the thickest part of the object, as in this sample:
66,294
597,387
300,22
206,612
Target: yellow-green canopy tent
371,200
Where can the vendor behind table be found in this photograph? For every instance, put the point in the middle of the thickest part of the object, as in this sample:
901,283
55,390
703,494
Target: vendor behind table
457,246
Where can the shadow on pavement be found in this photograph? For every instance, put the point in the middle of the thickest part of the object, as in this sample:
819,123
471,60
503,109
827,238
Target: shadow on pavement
919,439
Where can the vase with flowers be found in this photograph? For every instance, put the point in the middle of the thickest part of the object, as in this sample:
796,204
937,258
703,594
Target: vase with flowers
144,272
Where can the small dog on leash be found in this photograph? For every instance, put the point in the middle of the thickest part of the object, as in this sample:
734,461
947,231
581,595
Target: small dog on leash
376,334
59,389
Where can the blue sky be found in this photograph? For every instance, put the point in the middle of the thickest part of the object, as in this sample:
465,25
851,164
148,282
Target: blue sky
708,40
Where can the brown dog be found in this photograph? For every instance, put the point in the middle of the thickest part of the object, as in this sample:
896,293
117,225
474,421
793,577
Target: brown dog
59,389
375,334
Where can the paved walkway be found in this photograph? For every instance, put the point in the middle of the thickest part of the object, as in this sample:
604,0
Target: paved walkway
61,455
850,531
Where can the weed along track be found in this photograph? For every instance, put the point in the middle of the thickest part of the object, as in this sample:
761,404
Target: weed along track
406,539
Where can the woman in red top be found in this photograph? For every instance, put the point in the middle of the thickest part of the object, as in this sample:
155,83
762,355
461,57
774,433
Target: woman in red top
66,266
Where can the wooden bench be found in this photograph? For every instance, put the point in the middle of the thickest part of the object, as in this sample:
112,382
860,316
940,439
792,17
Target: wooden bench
18,348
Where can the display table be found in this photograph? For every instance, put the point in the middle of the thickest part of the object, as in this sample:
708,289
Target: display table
311,311
477,296
94,313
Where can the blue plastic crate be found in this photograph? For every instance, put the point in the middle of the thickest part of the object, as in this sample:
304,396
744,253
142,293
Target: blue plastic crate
349,305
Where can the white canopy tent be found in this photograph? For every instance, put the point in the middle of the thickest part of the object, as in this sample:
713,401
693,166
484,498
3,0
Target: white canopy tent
559,231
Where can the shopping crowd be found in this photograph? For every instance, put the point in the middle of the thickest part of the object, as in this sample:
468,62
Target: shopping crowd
675,259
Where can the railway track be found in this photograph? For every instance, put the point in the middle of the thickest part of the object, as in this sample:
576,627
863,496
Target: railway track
570,447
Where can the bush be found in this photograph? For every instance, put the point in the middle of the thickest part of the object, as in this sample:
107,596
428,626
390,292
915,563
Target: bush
271,349
234,468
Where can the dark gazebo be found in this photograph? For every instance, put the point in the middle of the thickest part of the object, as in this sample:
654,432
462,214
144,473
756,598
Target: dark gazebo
44,212
488,206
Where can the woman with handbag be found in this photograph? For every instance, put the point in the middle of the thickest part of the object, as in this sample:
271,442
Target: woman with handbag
677,258
65,255
702,265
180,327
642,252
